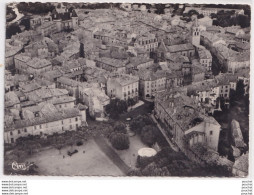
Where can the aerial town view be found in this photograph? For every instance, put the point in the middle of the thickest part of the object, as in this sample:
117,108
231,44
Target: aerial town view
127,89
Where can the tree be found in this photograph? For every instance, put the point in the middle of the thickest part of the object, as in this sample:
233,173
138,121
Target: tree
81,50
119,141
30,146
213,15
59,143
13,29
25,22
239,90
243,21
130,102
159,8
35,8
139,122
69,138
148,135
135,172
247,103
142,162
153,170
192,12
18,153
116,107
200,16
120,127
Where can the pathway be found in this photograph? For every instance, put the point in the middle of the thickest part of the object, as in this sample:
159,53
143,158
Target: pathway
103,145
172,145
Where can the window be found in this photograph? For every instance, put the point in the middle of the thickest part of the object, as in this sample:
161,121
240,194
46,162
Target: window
34,127
211,132
40,133
70,120
40,126
62,122
76,118
11,133
18,131
25,130
70,126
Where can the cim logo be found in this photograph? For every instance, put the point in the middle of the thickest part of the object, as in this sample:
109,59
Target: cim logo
20,166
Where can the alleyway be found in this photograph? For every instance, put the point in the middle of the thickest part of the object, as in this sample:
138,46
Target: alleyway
173,146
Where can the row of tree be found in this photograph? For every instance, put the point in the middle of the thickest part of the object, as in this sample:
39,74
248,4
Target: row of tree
230,18
117,107
144,126
12,29
169,163
35,8
119,137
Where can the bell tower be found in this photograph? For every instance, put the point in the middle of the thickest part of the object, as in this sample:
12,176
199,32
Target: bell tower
196,33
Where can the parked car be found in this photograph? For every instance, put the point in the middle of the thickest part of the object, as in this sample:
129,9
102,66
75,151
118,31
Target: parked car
70,153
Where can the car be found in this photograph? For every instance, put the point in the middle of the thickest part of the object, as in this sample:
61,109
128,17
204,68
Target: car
70,153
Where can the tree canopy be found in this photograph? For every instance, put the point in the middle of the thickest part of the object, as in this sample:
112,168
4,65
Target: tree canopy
148,135
35,8
116,107
119,141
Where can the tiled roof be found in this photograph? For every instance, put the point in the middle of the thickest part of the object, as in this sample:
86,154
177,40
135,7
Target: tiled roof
149,75
181,47
30,87
182,109
124,79
113,62
11,99
70,113
204,54
53,74
62,100
243,36
38,63
198,69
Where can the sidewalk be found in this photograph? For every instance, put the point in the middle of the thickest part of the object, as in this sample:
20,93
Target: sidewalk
172,145
103,145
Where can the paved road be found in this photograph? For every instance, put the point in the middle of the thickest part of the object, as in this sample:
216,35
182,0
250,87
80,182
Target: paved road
173,146
113,156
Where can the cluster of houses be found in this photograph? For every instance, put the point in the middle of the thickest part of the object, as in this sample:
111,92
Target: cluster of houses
72,62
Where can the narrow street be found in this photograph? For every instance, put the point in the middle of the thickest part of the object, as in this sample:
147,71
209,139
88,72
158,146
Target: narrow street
173,146
103,145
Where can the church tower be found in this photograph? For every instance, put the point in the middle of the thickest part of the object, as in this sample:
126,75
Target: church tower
196,33
74,18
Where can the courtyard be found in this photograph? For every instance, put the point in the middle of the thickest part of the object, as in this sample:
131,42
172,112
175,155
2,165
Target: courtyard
92,162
